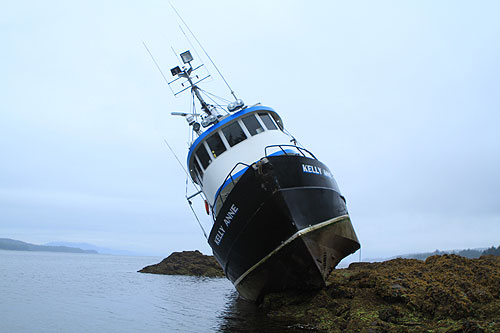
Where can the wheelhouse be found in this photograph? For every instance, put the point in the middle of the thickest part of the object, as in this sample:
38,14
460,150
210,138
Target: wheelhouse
227,134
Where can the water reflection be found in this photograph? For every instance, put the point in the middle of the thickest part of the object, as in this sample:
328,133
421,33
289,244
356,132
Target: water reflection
242,316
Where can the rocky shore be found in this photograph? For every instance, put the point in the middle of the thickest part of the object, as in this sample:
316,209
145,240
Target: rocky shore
445,293
186,263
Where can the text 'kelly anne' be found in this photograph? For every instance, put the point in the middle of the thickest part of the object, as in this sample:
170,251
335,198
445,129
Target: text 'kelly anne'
307,168
225,224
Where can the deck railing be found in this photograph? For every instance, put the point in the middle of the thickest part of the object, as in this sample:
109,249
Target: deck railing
284,149
219,193
296,150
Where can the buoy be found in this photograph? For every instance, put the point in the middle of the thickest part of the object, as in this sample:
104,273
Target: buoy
207,207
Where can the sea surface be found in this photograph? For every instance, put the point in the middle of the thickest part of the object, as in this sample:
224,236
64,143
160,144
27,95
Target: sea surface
66,292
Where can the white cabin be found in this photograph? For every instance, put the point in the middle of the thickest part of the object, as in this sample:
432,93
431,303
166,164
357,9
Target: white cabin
242,138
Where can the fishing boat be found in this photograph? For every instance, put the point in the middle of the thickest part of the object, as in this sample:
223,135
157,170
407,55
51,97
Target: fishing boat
279,219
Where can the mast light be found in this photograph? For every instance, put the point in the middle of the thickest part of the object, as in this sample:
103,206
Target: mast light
176,70
186,57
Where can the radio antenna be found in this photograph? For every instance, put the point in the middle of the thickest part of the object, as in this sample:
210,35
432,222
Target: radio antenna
158,66
189,40
175,155
201,46
154,60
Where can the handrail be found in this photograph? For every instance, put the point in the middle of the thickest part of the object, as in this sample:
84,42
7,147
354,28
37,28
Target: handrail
229,175
299,149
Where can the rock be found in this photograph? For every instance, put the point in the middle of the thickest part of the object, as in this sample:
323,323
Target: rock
446,293
186,263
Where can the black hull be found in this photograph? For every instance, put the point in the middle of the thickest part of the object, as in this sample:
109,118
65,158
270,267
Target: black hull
284,225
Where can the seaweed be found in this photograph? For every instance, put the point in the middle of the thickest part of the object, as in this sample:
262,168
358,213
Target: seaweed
446,293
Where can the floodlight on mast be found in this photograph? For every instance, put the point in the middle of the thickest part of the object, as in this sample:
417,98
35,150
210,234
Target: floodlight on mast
186,57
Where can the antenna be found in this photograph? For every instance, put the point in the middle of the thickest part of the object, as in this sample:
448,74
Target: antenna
201,46
172,151
187,77
190,43
158,66
186,72
192,196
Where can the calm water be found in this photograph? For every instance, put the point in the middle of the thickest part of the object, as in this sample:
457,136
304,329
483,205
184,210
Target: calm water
63,292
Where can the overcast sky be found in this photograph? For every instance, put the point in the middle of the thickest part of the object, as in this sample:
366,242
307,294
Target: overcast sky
401,99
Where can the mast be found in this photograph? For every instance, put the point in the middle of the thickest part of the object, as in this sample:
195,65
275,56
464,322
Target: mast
186,73
210,115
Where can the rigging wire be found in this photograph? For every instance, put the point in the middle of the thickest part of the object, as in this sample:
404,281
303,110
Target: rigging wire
169,147
193,111
216,96
157,66
194,103
214,101
192,46
210,95
192,209
175,54
197,219
182,166
201,46
190,131
191,205
189,201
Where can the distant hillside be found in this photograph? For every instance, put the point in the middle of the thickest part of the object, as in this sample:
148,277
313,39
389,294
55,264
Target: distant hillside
492,251
15,245
98,249
468,253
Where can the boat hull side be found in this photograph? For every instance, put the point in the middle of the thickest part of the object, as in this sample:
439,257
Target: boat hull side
282,227
304,261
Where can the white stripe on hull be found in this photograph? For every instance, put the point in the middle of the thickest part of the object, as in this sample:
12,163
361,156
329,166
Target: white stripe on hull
288,241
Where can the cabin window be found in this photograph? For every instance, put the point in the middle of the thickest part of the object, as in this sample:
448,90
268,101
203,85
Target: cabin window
252,124
203,156
197,169
234,134
266,118
216,145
